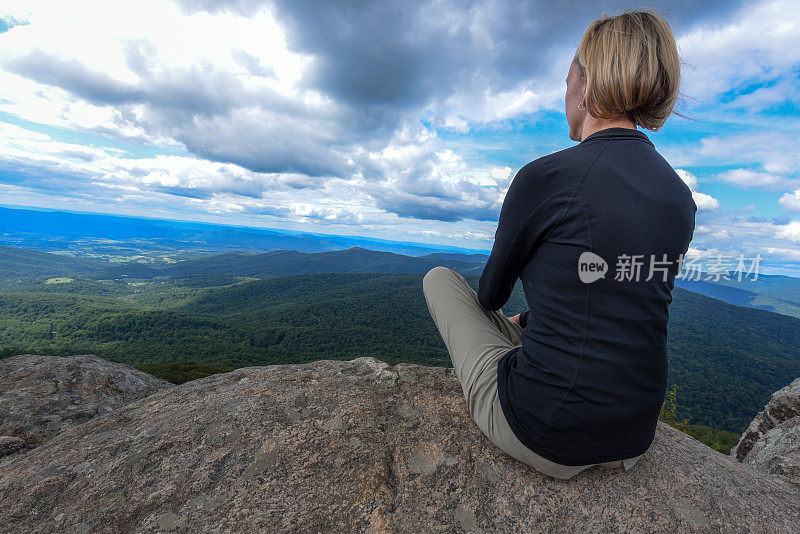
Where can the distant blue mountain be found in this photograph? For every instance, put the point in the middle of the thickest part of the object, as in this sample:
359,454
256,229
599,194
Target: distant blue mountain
98,234
16,263
780,294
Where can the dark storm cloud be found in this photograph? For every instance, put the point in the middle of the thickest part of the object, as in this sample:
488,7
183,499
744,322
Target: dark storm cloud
73,76
434,208
378,52
419,195
379,62
180,191
250,190
267,142
276,211
206,109
199,90
385,60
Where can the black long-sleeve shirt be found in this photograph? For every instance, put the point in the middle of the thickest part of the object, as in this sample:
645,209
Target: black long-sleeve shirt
588,382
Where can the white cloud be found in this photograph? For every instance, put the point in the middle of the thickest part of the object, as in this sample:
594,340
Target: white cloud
750,178
791,201
688,178
789,231
702,200
760,43
728,233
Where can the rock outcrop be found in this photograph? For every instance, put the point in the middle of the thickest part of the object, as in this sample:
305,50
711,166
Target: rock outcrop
772,441
356,446
41,396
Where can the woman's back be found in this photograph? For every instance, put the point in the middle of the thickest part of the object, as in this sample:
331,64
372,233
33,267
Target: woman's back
588,382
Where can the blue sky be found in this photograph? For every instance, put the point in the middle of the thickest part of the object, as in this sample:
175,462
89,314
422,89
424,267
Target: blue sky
392,120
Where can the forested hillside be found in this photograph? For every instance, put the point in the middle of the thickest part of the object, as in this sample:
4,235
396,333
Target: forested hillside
725,360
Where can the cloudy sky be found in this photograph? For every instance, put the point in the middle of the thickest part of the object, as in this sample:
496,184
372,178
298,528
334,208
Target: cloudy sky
398,120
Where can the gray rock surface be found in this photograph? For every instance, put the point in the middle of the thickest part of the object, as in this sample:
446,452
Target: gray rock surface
10,445
356,446
41,396
772,441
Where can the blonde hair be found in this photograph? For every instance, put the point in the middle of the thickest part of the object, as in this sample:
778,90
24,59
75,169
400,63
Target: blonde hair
631,66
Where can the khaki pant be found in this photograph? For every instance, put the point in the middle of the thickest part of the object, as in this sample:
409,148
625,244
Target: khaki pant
476,339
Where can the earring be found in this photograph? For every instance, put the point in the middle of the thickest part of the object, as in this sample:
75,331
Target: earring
581,108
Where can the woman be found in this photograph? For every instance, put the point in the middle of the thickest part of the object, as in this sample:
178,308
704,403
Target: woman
597,233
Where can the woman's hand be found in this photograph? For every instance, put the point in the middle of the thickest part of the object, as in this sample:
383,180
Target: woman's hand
515,318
